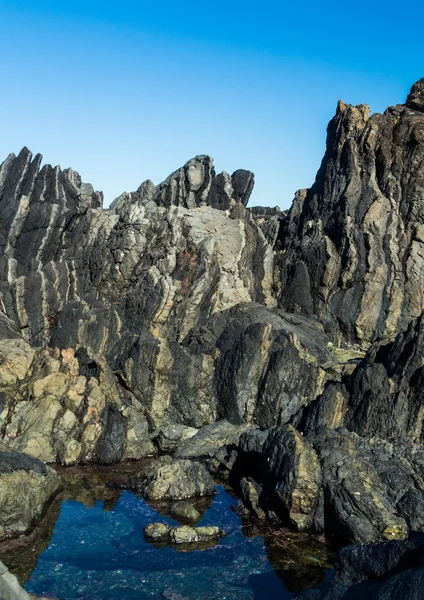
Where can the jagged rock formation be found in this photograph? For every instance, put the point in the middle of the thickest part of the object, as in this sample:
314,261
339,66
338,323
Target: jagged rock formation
352,245
26,487
180,306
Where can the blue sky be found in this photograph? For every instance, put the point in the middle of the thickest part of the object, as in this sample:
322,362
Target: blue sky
125,91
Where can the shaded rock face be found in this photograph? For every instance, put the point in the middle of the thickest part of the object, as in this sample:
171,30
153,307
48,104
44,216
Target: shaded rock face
375,572
26,487
352,244
291,466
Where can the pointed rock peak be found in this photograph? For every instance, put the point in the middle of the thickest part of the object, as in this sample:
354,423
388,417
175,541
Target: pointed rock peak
25,153
358,111
415,100
243,182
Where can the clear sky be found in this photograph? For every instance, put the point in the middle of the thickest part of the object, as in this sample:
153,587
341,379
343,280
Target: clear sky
128,90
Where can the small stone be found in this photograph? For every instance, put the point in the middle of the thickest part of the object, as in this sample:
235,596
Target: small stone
184,511
157,532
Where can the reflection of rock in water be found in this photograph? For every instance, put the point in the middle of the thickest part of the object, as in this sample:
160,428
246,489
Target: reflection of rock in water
90,484
201,504
21,555
86,484
299,560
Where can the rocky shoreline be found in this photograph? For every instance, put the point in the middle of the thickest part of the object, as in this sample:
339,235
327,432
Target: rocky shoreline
279,351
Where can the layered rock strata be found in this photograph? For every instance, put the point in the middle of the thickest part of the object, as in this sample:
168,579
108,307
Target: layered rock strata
124,331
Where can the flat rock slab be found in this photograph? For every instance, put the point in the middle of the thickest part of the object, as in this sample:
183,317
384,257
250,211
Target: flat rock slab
209,439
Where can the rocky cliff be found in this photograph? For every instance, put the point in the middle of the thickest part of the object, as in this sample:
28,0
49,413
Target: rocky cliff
179,305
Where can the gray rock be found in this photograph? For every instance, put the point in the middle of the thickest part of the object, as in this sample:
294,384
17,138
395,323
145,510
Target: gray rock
192,535
157,532
292,469
350,250
173,479
184,511
209,439
250,493
170,436
26,488
9,586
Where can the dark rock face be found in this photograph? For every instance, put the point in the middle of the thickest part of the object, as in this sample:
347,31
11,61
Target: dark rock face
291,340
352,243
388,571
292,469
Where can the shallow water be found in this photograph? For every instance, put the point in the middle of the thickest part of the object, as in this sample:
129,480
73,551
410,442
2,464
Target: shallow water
97,551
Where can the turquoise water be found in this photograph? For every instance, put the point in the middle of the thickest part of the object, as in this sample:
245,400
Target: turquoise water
98,554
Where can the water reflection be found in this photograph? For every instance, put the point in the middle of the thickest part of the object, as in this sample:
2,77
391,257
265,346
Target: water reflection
97,550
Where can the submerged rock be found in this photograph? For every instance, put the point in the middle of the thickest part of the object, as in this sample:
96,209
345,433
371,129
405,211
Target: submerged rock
184,511
173,479
386,571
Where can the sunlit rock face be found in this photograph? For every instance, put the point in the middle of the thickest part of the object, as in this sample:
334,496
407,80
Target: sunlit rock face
352,246
179,305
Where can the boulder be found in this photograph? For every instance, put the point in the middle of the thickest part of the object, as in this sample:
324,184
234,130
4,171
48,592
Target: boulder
184,511
209,439
156,532
173,479
223,465
363,486
183,535
26,487
190,535
250,493
171,436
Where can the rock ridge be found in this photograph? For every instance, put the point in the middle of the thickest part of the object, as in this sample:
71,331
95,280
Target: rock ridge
294,336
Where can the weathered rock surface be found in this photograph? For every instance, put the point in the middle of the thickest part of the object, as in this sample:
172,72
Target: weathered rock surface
250,493
9,586
26,487
190,535
209,439
387,571
170,436
292,336
182,535
352,245
174,479
157,532
292,468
